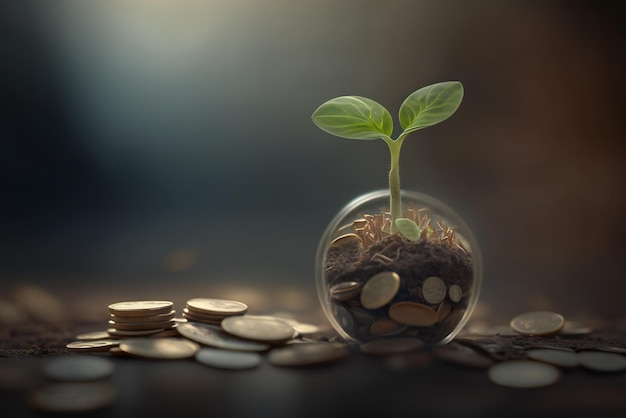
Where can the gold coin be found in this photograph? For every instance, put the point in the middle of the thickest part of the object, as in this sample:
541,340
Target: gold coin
150,318
92,345
455,293
380,289
443,311
345,291
433,290
268,330
160,348
386,327
347,241
137,333
411,313
140,308
216,306
538,323
214,336
132,326
387,346
308,354
96,335
523,374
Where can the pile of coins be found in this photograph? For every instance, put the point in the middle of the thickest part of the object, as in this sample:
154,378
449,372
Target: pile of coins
216,332
373,310
141,318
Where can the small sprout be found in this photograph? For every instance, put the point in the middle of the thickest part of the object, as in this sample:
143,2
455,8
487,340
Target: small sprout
356,117
408,229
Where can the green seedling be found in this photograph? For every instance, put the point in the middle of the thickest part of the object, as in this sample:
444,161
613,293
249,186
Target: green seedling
356,117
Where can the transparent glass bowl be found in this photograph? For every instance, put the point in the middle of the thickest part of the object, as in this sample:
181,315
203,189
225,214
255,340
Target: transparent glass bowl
373,284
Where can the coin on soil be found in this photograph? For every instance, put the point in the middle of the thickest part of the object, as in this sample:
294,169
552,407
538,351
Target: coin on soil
380,289
433,290
602,361
309,354
443,311
159,348
387,346
411,313
141,308
271,331
523,374
561,358
225,359
347,242
65,398
213,336
79,368
538,323
216,306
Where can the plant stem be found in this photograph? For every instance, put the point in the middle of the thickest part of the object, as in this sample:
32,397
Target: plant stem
395,201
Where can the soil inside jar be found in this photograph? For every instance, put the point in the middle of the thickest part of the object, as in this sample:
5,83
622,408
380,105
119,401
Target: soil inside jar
413,262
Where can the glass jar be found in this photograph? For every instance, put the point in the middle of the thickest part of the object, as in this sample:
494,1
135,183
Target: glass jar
374,283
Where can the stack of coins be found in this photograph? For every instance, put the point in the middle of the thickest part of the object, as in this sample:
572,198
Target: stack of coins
141,318
212,311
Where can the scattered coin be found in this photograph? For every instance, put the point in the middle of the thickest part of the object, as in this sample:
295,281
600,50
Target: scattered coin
271,331
562,358
380,289
538,323
73,397
387,346
433,290
411,313
96,335
160,348
92,345
213,336
345,291
455,293
523,374
386,327
461,355
140,308
225,359
602,361
310,354
78,368
221,307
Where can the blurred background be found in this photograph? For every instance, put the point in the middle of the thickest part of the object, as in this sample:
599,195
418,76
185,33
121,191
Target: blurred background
146,142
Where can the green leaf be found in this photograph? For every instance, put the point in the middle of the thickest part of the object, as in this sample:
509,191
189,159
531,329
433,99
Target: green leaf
430,105
354,117
408,228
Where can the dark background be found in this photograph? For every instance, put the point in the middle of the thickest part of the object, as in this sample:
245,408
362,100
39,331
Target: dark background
158,141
